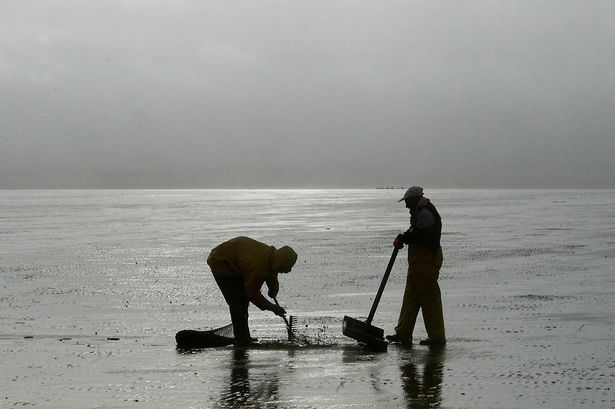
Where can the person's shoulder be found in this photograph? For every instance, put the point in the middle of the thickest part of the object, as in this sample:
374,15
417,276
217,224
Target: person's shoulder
424,218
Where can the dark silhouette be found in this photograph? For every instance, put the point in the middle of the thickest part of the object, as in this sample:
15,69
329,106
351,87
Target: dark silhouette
240,267
425,258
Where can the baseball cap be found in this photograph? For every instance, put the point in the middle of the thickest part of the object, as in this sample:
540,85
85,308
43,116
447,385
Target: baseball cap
413,191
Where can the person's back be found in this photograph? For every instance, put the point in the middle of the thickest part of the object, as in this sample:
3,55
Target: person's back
240,256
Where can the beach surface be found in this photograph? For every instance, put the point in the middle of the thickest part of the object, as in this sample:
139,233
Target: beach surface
95,284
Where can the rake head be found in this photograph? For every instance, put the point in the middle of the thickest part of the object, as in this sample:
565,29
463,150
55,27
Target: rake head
292,324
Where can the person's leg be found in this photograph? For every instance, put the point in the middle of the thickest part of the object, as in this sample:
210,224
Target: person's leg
430,299
239,315
234,294
408,313
433,315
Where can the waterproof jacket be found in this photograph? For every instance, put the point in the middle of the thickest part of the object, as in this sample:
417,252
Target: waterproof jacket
425,228
254,262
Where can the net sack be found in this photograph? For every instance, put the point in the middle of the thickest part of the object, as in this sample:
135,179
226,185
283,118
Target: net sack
189,338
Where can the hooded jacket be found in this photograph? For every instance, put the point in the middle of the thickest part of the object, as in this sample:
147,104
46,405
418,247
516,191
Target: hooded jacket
254,262
425,227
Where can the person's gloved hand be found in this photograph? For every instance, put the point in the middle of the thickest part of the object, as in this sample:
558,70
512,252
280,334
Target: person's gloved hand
398,242
272,293
277,310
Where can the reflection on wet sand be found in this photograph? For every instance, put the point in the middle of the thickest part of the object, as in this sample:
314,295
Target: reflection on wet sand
421,371
423,389
243,391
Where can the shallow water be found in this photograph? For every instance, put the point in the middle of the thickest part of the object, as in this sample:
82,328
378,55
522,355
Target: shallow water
95,284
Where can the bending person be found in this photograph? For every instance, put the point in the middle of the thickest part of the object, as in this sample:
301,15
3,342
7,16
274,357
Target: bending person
240,266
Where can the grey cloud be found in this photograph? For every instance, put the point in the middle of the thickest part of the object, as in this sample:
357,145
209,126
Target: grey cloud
291,94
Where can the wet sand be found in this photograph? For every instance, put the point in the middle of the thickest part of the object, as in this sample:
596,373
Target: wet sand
96,284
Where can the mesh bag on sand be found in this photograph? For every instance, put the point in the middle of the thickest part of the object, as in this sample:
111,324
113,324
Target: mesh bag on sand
189,338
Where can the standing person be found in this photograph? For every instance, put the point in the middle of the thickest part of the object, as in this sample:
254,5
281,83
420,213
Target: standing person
424,262
240,266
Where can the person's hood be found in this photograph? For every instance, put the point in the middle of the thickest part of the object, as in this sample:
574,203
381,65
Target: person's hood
419,205
422,203
284,259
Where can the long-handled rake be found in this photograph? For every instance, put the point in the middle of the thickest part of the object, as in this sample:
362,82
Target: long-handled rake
364,332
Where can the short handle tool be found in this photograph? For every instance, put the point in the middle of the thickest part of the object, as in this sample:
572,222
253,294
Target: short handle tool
289,327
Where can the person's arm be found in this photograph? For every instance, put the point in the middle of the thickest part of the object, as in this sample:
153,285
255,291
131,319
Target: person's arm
253,291
424,220
273,285
254,276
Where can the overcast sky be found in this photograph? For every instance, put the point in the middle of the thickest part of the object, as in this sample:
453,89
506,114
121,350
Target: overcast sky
147,93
